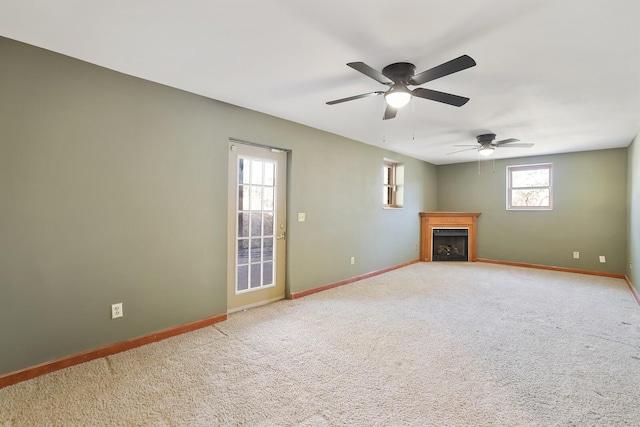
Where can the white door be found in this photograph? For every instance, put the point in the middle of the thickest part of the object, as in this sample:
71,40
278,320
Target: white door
256,226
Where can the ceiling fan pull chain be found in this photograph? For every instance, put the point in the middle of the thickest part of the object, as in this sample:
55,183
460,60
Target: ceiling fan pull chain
413,120
382,128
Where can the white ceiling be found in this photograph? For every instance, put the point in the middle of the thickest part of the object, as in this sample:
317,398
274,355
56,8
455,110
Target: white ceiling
564,75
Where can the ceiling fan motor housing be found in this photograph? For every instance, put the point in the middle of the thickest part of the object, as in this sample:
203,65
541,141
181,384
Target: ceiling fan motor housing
486,138
400,72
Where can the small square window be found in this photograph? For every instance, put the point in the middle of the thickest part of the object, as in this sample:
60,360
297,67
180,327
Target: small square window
529,187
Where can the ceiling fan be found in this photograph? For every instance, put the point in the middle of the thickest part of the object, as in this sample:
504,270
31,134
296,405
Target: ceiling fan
487,144
401,75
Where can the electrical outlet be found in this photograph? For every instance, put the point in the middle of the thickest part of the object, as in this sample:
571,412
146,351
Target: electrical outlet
576,255
301,217
116,310
602,258
353,260
415,248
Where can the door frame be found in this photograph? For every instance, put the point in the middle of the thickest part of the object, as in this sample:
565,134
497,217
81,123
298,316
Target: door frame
269,294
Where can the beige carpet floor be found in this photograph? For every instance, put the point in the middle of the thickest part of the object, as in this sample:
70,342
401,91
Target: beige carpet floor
432,344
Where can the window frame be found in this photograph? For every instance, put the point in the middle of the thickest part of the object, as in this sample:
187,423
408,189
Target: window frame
395,184
389,170
510,188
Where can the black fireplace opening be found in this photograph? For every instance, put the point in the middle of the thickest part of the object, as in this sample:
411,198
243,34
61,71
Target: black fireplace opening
450,244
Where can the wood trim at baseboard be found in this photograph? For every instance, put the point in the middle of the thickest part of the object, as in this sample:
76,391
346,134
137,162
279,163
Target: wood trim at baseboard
296,295
553,268
108,350
632,289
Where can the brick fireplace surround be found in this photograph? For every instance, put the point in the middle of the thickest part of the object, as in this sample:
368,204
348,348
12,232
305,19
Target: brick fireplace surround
431,220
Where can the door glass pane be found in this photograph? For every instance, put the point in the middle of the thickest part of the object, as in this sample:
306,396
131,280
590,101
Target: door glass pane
256,250
243,224
267,274
255,275
267,249
242,281
243,197
243,251
243,171
256,172
256,198
267,198
255,224
269,174
268,224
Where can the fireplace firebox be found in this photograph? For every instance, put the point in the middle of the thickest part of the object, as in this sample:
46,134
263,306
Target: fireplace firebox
450,244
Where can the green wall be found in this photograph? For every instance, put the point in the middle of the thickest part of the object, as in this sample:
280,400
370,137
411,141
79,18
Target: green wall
114,190
589,210
633,217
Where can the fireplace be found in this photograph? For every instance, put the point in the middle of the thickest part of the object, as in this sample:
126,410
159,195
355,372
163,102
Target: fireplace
450,244
448,236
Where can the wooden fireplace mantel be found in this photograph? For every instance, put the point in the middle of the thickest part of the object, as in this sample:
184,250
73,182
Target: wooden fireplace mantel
431,220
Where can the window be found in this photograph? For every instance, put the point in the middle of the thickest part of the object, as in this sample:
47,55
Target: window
529,187
392,184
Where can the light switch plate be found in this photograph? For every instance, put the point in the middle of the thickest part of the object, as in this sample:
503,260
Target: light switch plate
301,216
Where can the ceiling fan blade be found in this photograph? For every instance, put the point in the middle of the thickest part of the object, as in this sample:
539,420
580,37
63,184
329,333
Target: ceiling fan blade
506,141
389,112
523,145
460,151
370,72
465,145
461,63
445,98
351,98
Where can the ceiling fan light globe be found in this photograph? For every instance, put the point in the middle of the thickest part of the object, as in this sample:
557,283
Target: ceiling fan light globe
397,98
485,151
